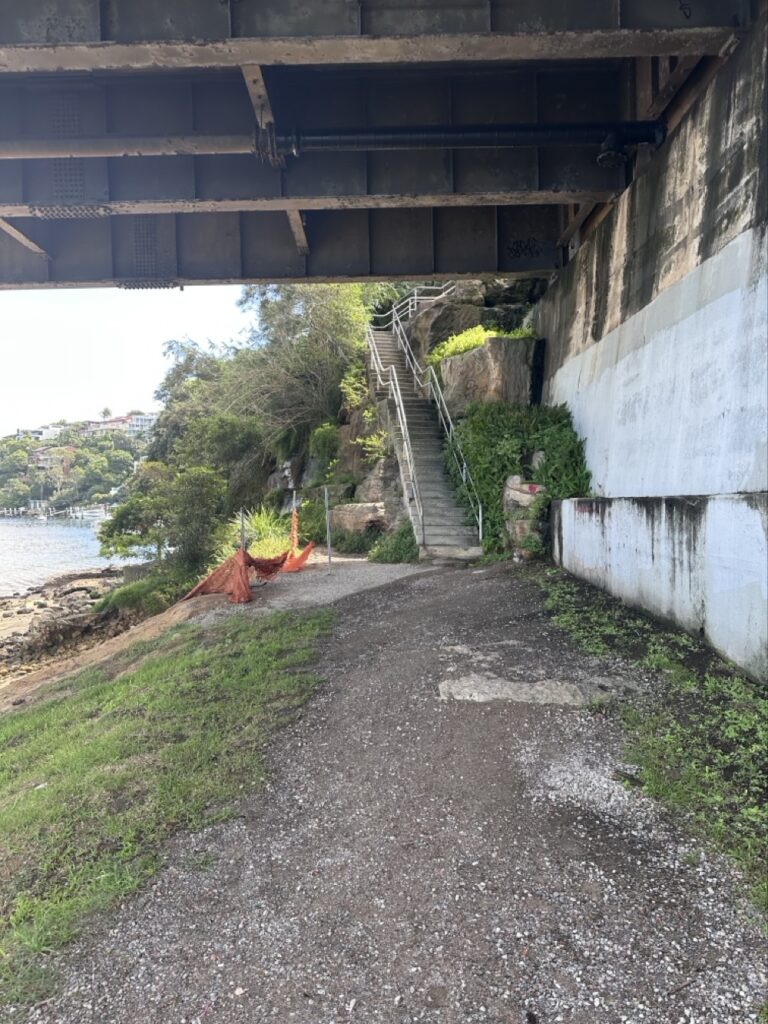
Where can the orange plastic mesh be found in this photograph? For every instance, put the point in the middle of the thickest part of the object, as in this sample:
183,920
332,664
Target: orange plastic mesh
233,577
294,562
294,532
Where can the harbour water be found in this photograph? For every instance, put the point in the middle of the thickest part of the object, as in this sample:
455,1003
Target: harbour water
33,551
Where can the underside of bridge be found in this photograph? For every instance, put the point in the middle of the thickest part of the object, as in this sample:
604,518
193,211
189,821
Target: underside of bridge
153,144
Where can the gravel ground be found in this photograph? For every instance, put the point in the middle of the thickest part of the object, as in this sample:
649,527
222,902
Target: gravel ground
416,858
316,585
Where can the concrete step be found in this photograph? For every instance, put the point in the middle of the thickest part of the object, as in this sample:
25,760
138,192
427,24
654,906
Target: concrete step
468,544
449,552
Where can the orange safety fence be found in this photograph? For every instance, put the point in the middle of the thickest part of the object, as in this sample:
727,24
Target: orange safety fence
296,559
233,577
294,563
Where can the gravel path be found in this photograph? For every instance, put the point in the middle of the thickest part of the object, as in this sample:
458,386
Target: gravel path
438,860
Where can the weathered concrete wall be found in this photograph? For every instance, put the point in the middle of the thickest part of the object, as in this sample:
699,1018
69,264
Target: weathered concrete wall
700,562
704,188
656,340
673,401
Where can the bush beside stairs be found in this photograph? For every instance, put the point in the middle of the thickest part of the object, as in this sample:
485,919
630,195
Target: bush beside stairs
446,532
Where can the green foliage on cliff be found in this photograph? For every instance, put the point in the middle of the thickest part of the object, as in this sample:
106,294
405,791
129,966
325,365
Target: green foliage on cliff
473,337
499,440
324,445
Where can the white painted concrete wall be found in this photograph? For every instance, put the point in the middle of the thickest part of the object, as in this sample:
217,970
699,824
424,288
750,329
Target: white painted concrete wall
675,400
704,567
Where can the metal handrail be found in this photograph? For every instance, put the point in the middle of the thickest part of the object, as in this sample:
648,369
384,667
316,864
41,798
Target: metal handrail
413,303
387,377
428,381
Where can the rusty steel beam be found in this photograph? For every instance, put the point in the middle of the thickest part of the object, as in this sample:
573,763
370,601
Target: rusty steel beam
164,251
132,207
89,148
499,47
19,236
257,90
296,223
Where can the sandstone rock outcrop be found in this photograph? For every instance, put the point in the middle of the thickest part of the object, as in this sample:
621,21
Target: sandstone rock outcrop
360,517
498,371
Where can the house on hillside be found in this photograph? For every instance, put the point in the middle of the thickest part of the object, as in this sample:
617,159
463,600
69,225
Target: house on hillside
134,425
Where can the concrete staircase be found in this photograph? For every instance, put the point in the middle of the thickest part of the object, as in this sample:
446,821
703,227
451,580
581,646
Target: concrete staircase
446,532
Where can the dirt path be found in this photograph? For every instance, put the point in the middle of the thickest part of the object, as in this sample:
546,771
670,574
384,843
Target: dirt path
438,860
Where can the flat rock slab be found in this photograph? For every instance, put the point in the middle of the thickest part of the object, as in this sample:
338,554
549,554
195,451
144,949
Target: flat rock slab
415,859
480,687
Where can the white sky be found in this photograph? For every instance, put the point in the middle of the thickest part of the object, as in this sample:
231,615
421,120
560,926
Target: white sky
67,354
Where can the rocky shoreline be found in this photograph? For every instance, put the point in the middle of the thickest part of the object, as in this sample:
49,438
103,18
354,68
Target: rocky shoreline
59,617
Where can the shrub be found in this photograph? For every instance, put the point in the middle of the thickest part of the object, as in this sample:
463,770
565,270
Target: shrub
398,546
499,440
474,337
354,387
312,522
266,534
374,446
324,444
348,543
197,499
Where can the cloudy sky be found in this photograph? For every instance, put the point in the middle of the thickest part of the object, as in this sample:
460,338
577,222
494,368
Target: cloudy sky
66,354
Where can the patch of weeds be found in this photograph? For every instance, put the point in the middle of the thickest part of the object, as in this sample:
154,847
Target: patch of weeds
700,739
94,780
398,546
492,557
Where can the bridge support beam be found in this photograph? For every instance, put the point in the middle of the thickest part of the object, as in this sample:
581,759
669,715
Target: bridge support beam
163,251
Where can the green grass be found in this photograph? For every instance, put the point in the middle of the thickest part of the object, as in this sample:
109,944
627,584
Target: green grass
700,739
94,778
473,337
150,595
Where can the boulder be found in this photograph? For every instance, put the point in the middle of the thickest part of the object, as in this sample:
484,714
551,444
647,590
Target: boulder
377,484
500,371
382,484
360,517
519,493
469,291
439,322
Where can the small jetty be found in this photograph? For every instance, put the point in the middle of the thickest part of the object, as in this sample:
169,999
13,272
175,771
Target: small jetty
40,511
